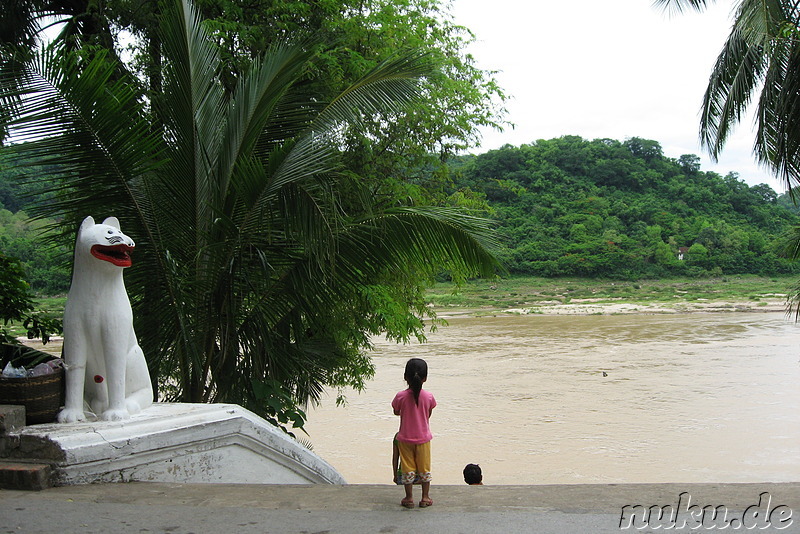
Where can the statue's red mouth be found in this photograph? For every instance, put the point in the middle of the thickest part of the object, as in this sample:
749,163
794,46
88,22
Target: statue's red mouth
119,255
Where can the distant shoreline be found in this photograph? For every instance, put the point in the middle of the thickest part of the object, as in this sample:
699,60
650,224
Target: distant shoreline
596,307
581,296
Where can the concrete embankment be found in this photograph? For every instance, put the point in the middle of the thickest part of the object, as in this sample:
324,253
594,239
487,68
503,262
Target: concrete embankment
242,509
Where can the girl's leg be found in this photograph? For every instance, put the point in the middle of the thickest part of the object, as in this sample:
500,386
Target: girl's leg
424,471
408,501
409,470
426,487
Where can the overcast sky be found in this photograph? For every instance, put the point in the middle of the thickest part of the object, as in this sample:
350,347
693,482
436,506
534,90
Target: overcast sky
616,70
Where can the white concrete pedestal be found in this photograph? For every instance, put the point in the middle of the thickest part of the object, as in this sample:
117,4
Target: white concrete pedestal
183,443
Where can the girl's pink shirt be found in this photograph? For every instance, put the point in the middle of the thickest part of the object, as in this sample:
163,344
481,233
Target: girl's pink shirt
414,427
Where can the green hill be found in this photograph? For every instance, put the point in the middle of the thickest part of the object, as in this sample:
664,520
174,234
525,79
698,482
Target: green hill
564,207
605,208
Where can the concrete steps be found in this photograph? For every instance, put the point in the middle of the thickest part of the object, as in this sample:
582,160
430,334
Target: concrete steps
25,476
19,475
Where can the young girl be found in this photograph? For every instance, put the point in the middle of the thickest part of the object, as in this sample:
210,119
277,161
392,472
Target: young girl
414,407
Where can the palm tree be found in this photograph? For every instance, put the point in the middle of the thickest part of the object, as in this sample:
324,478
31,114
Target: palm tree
253,282
759,60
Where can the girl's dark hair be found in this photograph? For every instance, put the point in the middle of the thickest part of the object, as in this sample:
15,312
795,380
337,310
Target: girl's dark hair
416,373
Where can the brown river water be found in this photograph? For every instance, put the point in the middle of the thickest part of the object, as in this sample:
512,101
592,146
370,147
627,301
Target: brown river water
700,397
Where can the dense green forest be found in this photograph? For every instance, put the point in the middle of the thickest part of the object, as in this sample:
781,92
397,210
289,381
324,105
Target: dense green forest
605,208
564,207
46,261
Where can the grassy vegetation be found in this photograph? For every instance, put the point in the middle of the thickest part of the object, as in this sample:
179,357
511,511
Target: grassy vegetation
48,306
520,292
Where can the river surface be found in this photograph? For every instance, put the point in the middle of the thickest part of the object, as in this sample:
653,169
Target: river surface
701,397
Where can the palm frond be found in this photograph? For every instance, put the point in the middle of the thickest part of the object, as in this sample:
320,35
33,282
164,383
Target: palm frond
389,87
70,112
771,25
433,238
737,73
258,95
192,106
679,6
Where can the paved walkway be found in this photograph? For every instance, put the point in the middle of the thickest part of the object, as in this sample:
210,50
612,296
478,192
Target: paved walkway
243,509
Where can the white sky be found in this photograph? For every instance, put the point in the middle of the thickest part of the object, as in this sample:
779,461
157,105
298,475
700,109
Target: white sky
597,69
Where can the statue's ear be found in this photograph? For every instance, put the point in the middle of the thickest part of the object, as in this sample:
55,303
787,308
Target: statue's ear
87,222
112,221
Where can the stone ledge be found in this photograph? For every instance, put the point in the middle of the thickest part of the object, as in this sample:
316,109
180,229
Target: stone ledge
12,418
178,443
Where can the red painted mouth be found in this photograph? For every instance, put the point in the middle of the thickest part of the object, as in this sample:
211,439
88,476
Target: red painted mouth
119,255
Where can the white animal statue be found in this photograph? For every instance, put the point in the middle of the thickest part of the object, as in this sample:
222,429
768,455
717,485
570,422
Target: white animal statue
104,364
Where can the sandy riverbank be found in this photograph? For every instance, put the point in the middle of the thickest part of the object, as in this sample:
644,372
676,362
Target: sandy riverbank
621,307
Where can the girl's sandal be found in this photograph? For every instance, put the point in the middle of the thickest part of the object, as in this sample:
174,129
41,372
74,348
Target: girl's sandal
408,503
424,503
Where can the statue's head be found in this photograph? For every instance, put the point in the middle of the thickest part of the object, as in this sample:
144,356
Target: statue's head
104,241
